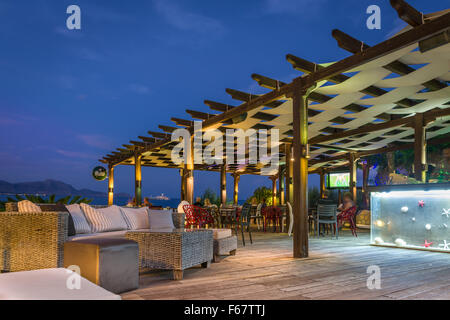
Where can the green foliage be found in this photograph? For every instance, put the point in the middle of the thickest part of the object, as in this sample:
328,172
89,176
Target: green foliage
212,196
262,193
50,199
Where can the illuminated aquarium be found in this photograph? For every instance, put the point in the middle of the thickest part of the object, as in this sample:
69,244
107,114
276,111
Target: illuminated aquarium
411,219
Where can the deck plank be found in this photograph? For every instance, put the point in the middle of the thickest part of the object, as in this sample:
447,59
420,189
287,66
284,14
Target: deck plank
335,269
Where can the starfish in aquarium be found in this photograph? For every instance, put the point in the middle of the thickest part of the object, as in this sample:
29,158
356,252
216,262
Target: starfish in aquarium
446,212
421,203
445,245
427,244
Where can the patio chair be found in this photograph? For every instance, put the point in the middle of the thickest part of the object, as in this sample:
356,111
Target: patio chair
291,218
349,216
244,221
272,215
327,214
258,216
197,216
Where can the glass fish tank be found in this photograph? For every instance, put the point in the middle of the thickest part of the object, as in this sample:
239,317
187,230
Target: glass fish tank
411,219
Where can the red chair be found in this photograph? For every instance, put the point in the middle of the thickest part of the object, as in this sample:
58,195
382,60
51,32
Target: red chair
349,216
197,217
271,214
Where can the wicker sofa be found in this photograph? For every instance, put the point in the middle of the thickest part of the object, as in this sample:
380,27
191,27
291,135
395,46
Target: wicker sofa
30,241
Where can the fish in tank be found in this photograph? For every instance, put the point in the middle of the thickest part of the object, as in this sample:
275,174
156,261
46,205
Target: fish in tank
411,219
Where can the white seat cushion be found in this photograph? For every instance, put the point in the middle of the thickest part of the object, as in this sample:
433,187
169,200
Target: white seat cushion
49,284
28,206
221,233
136,218
79,220
160,219
110,234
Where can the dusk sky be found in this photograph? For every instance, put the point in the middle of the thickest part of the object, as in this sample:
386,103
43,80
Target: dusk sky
69,97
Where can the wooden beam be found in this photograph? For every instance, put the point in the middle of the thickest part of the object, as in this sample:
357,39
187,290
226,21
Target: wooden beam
281,172
147,139
289,173
407,13
364,129
159,135
398,42
110,185
218,106
236,177
352,158
353,45
223,185
137,179
274,189
168,129
182,122
420,148
300,168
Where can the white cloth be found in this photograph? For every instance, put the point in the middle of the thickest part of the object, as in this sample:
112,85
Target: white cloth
49,284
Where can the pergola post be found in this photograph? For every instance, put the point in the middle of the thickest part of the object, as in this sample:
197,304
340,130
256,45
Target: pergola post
420,145
274,189
281,184
300,168
223,184
322,186
183,185
188,173
236,177
352,158
137,178
110,185
289,173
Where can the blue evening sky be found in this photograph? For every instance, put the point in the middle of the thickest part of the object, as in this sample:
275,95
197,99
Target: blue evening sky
69,97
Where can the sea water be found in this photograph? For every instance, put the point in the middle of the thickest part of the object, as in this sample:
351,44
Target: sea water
411,219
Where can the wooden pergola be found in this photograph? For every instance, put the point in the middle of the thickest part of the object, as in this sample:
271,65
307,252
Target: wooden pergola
382,98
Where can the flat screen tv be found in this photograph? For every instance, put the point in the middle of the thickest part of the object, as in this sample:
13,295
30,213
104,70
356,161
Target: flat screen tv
339,180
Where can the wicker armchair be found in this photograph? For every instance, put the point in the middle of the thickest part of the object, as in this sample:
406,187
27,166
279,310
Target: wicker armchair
31,241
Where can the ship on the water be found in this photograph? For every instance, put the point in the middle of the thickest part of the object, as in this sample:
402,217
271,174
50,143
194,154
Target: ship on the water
160,197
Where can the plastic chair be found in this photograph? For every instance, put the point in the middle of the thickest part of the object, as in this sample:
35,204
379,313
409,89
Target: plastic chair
327,214
244,221
291,218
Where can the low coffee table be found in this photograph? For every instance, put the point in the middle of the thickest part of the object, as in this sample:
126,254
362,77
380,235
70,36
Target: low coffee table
173,249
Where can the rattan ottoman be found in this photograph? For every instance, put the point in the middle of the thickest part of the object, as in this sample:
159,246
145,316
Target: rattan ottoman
175,249
224,246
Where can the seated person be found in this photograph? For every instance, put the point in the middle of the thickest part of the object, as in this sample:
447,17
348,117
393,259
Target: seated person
131,202
347,209
147,203
325,199
198,202
207,203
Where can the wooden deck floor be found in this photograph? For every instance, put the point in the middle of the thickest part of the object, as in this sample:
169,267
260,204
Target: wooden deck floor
335,269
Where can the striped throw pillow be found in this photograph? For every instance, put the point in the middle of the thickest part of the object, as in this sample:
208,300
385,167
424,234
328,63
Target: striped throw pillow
136,218
102,220
79,220
28,206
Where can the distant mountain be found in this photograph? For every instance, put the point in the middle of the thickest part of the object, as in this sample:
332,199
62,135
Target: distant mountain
47,187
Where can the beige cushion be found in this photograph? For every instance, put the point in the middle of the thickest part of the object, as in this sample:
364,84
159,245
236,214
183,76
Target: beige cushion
28,206
221,233
79,220
49,284
160,219
136,218
105,219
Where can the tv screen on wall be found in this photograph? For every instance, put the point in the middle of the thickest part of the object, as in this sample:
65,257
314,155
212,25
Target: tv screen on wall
339,180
